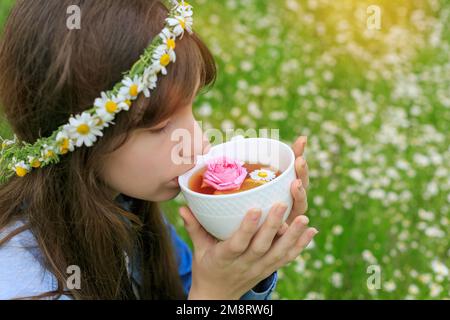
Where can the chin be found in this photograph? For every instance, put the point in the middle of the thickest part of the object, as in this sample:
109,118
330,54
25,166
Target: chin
167,194
175,193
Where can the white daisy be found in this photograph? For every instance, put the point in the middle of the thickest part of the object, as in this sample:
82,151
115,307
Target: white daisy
34,162
84,129
181,22
107,108
183,6
161,59
7,143
185,11
168,39
263,175
21,168
64,142
103,119
48,152
149,80
132,88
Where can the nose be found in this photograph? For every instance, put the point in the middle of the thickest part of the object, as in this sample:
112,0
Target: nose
203,144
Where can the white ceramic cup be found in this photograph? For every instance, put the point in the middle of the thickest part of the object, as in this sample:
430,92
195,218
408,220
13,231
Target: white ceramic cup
221,215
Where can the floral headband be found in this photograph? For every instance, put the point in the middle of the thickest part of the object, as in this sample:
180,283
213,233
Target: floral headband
83,129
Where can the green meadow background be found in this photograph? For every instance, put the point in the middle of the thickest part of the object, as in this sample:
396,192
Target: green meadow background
375,105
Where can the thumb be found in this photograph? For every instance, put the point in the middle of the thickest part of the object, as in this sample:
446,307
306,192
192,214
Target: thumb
200,238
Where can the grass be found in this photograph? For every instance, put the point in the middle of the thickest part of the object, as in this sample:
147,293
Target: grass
376,107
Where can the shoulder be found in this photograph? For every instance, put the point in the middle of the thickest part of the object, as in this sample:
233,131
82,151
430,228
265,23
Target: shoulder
21,270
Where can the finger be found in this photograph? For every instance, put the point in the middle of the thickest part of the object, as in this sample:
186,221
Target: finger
299,146
199,236
262,241
240,240
282,229
301,169
284,244
300,198
301,244
300,205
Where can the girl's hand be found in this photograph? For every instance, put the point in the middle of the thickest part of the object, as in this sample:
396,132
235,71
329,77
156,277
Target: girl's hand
300,186
228,269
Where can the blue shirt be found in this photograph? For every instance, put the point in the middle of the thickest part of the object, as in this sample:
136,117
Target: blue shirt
22,273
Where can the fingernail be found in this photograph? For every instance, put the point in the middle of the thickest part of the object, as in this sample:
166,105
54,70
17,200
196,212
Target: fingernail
304,220
316,231
255,215
300,185
300,223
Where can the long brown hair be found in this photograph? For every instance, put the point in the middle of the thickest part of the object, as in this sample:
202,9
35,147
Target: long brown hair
47,73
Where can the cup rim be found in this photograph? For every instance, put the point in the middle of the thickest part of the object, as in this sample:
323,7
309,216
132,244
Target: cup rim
246,192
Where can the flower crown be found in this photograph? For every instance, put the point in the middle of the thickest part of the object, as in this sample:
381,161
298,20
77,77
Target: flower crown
83,129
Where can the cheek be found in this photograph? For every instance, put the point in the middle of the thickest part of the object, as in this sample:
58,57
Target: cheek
143,168
141,165
134,168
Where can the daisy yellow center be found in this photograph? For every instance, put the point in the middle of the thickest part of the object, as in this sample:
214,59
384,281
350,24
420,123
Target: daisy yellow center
165,59
171,43
65,146
50,154
128,102
83,129
134,90
111,106
262,174
35,163
182,23
21,172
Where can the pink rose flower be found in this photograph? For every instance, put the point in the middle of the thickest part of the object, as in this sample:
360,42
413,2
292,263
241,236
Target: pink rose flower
224,174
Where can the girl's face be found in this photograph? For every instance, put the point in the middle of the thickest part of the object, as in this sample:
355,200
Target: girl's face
148,164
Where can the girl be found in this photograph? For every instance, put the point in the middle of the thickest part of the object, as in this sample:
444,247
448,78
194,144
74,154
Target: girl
95,211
